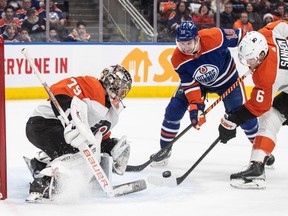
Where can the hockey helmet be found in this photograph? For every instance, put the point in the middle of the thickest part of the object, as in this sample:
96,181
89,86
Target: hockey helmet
187,39
186,31
117,81
251,46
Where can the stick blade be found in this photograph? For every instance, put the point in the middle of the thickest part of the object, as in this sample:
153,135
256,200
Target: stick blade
131,168
24,51
131,187
160,181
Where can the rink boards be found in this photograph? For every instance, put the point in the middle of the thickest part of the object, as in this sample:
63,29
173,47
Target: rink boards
149,65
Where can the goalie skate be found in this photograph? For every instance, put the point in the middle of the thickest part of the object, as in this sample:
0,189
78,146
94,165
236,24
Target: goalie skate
251,178
42,190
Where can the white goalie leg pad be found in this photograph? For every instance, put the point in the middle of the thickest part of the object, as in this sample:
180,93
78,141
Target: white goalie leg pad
71,176
70,163
66,165
121,154
106,164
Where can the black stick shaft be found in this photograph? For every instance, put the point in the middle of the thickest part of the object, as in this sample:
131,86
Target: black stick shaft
138,168
180,179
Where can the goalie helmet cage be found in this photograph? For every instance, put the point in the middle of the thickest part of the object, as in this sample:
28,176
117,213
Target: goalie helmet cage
3,168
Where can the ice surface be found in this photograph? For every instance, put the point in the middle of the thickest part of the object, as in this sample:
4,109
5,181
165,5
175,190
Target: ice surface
206,191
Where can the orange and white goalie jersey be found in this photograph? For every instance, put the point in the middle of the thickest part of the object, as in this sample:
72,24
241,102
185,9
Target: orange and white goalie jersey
271,75
89,90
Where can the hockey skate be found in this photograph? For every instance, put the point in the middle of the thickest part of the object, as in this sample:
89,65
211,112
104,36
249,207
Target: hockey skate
41,190
163,159
251,178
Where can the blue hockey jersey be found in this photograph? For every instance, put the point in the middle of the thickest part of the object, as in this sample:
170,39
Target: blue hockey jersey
212,67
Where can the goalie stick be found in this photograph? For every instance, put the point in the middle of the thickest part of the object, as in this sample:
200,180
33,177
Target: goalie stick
173,181
138,168
86,152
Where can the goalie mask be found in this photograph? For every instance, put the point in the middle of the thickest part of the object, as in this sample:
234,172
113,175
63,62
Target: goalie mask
117,82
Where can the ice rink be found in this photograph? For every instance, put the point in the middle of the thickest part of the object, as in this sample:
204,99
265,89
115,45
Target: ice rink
206,191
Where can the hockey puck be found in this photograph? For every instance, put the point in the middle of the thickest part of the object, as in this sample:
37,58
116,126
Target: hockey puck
166,174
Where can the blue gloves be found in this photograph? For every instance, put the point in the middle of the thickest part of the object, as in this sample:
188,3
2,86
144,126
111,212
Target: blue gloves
197,116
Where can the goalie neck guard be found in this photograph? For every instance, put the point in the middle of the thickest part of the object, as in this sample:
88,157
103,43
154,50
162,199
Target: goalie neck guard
117,82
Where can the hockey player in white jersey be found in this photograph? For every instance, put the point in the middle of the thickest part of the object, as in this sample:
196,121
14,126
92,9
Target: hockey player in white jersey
266,54
59,142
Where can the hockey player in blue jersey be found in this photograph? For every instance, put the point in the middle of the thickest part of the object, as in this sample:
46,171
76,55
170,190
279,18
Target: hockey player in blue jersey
205,65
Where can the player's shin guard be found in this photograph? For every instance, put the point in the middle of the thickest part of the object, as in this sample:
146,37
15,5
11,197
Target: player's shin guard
169,131
250,128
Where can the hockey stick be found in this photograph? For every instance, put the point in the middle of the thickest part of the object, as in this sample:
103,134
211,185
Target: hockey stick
86,152
138,168
173,181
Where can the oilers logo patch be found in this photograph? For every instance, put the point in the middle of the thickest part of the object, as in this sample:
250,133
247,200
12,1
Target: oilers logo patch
206,74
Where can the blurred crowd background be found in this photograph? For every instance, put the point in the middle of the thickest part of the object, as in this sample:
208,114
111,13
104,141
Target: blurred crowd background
128,20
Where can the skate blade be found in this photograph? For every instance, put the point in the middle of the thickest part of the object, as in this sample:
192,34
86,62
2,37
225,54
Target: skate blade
37,198
248,184
161,163
270,167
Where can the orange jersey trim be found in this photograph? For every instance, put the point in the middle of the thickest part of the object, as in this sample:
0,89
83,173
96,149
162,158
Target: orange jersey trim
213,39
264,143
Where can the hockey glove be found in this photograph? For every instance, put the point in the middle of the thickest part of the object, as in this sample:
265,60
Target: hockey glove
227,129
120,154
197,117
73,136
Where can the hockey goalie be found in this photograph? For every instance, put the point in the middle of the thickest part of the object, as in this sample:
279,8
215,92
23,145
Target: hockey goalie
96,104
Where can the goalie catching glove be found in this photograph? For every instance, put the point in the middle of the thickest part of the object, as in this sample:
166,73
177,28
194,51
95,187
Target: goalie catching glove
197,116
227,129
120,152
